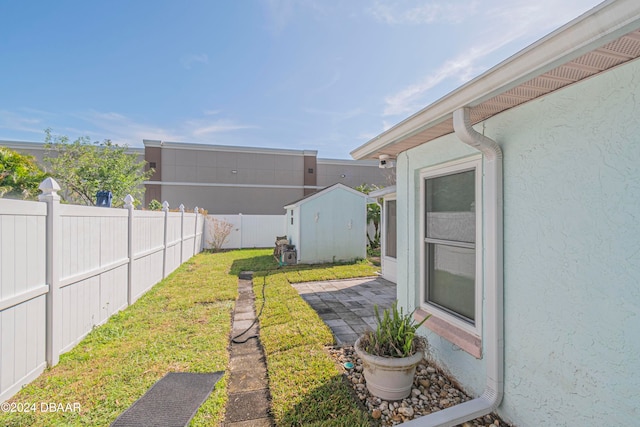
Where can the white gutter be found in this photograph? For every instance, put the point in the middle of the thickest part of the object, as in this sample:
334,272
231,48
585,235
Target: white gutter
604,23
493,336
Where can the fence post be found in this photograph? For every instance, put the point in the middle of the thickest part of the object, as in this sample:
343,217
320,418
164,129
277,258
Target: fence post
181,233
165,209
195,233
128,204
240,221
53,334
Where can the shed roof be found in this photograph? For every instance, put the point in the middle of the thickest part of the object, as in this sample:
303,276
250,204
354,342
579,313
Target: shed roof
604,37
322,192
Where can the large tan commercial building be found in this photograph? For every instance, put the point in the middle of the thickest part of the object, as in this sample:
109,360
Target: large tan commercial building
231,180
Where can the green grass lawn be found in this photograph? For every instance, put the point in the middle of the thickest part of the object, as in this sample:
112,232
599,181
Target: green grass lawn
306,387
183,324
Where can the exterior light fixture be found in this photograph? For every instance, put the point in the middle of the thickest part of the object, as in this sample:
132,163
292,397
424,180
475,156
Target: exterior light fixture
386,162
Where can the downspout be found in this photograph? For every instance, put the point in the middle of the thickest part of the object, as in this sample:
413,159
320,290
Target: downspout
493,315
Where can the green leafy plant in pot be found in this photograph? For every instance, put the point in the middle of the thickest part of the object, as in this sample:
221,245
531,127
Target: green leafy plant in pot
391,353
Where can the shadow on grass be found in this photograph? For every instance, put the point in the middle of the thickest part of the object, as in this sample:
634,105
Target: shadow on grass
331,404
267,264
255,263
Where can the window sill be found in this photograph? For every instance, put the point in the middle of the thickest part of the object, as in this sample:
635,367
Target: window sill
457,336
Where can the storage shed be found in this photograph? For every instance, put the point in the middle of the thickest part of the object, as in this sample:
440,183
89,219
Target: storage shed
329,225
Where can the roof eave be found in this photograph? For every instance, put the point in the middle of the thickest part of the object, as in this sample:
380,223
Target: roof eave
597,27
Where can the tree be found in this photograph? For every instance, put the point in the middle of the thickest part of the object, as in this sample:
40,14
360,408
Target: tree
83,168
20,175
373,216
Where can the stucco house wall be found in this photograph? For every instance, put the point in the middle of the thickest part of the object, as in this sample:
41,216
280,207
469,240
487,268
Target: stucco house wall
571,252
329,225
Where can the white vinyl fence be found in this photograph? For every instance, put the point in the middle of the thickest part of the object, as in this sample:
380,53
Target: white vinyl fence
253,231
249,231
65,269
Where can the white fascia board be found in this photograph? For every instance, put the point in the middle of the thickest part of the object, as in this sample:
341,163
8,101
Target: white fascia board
385,191
152,143
25,145
226,148
347,162
597,27
214,184
5,143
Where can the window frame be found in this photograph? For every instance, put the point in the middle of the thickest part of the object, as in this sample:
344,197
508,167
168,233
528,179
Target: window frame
441,315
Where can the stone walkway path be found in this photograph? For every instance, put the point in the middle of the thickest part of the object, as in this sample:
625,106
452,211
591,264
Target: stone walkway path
346,306
248,404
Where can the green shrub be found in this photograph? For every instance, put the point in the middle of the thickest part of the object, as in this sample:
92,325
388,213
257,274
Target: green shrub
155,205
395,334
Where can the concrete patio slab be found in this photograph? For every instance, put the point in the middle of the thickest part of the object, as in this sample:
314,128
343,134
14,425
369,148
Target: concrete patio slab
346,306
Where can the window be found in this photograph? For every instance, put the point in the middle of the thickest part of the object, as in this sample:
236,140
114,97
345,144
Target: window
390,230
451,227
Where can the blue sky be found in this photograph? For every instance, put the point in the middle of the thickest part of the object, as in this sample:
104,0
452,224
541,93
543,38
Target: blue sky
323,75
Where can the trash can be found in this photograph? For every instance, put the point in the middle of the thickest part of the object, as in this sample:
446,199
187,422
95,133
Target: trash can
103,199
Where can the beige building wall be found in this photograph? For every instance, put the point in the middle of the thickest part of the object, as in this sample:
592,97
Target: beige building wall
37,149
353,173
231,180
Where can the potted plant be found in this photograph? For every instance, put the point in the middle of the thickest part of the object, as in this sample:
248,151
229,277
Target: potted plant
391,353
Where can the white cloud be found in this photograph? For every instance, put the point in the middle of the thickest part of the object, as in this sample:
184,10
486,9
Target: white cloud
366,136
124,130
386,125
503,24
19,122
412,12
200,128
187,61
281,12
336,116
411,98
334,79
117,127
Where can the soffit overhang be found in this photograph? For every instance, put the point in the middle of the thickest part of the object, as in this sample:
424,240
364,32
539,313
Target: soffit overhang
601,39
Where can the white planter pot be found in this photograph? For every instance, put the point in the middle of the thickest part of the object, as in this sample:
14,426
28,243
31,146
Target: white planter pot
389,378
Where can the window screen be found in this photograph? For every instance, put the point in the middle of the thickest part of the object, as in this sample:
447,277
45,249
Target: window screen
450,237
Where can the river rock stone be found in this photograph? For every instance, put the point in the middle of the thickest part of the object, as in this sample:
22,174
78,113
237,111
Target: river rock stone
406,411
424,383
432,392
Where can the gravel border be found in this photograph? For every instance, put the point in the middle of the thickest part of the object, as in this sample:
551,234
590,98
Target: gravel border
432,391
